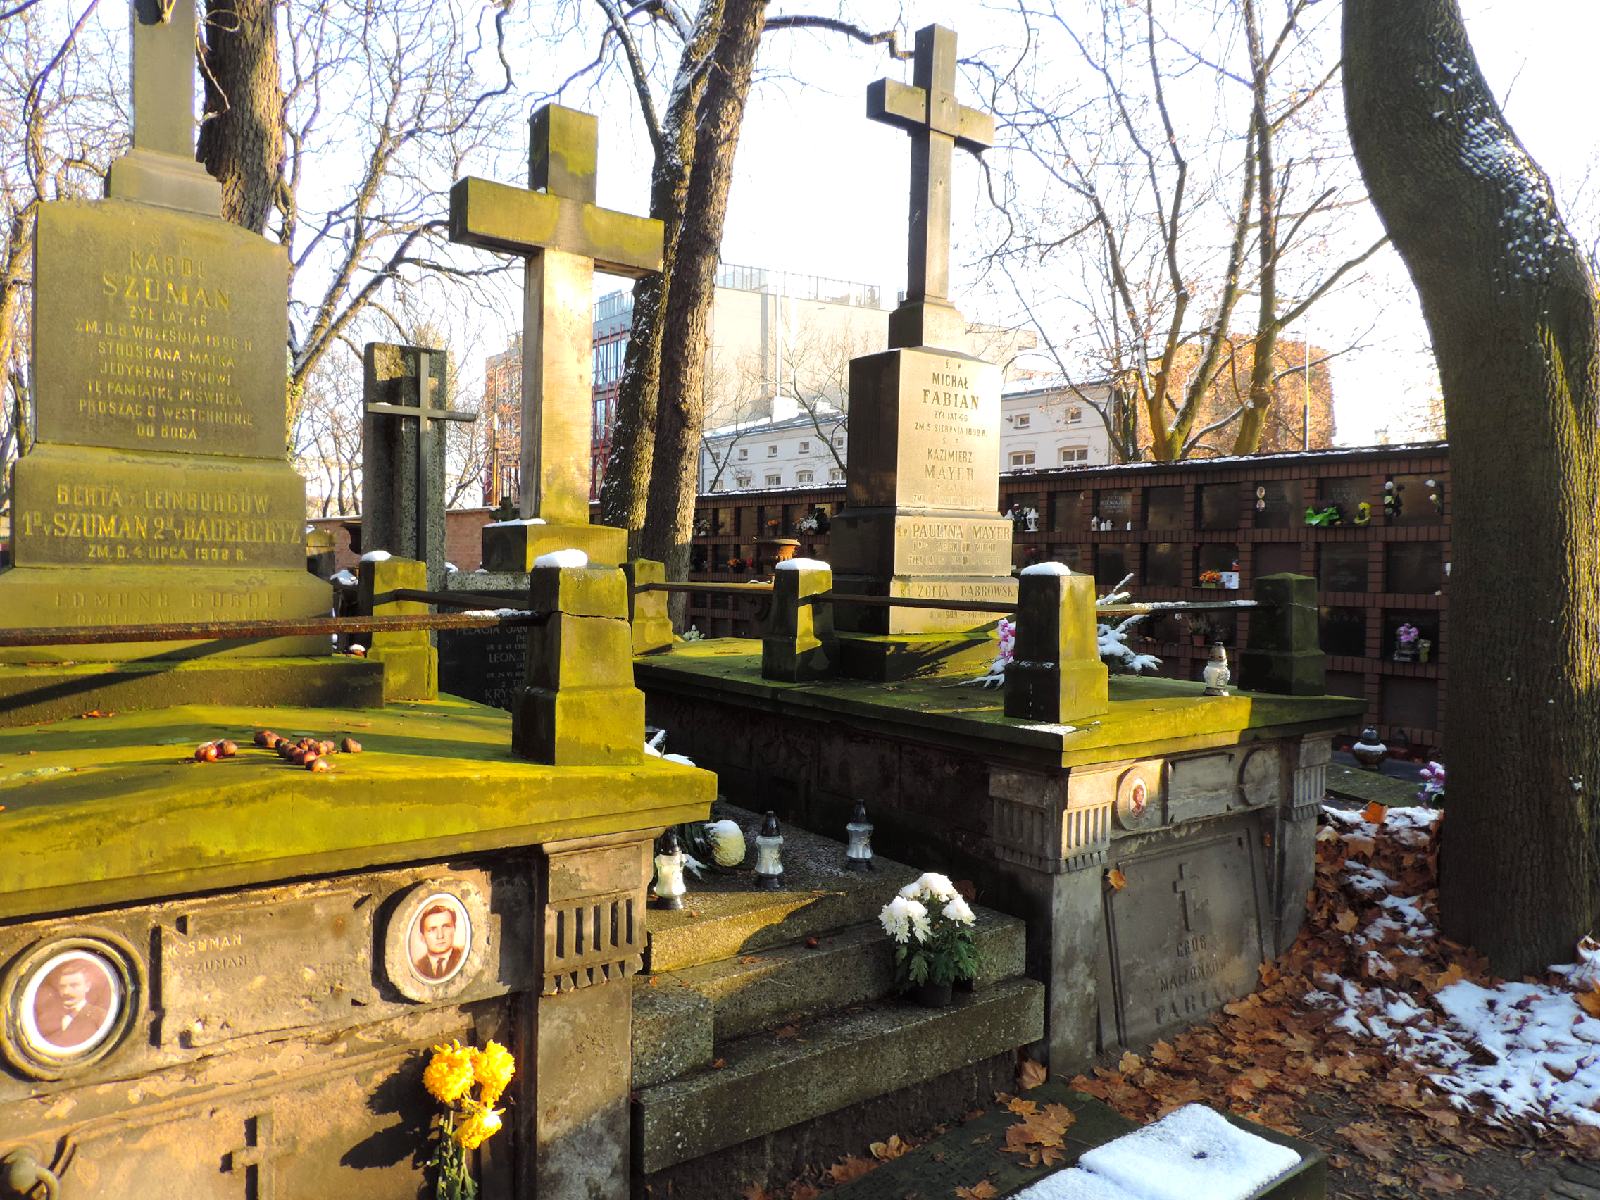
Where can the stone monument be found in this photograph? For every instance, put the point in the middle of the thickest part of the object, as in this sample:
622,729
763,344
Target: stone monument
158,489
556,226
922,493
403,453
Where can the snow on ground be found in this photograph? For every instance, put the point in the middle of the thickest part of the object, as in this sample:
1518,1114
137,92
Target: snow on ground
1512,1051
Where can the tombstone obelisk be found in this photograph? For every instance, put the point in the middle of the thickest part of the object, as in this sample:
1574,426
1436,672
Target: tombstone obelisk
158,489
922,492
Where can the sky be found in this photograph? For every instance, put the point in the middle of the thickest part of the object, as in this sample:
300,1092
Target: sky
821,190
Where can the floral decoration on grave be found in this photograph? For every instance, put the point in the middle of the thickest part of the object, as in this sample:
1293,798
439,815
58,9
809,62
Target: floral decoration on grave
1325,518
1210,579
1431,793
1405,642
931,924
468,1120
1363,513
1391,499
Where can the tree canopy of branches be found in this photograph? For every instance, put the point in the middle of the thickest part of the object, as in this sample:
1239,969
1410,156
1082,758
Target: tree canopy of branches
1511,308
1184,170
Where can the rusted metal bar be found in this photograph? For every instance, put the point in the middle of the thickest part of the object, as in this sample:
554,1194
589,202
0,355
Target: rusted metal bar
206,631
972,606
1175,606
450,599
715,589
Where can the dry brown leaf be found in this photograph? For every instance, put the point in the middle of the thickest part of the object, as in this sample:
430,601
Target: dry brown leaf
801,1190
1590,1002
1374,813
784,1032
890,1150
1023,1108
1031,1074
1451,974
1163,1054
1346,921
849,1168
1116,880
1438,1179
756,1192
718,1063
982,1190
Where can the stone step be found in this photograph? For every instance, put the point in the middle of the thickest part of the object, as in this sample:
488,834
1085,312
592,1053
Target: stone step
726,915
769,1082
679,1016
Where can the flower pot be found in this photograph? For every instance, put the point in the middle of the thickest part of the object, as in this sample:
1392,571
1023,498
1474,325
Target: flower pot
931,995
1211,586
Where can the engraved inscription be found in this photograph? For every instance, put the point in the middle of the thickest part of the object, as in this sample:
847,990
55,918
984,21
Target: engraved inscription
950,418
953,547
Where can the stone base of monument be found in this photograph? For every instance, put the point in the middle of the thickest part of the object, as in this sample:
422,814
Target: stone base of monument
888,657
31,695
1206,806
767,1033
512,546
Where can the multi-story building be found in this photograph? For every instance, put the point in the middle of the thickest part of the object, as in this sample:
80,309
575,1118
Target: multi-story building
798,449
502,415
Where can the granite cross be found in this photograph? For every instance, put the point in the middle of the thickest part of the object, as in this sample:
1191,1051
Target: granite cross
430,364
937,122
555,224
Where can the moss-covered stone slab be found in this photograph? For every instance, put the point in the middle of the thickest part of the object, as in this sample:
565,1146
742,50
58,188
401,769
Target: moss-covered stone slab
111,810
1350,783
1147,716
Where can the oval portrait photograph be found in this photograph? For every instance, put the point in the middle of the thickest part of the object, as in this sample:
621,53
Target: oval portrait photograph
440,936
71,1003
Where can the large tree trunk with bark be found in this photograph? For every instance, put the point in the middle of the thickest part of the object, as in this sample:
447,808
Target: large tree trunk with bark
626,485
1511,309
241,138
669,518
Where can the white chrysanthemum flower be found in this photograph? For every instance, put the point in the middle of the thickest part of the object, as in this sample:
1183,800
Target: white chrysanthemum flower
959,911
896,918
921,930
727,843
930,886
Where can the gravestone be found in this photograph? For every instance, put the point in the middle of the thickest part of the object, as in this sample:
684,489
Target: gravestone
403,433
555,225
158,488
922,493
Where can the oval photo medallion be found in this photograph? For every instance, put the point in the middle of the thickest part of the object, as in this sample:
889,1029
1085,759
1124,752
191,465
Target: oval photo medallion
68,1003
436,939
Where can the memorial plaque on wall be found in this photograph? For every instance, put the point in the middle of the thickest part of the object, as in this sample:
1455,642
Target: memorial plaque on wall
1115,506
1342,567
1277,558
1219,506
1348,492
1163,565
1110,564
1344,631
486,665
1278,504
1186,932
1164,508
1416,567
1069,511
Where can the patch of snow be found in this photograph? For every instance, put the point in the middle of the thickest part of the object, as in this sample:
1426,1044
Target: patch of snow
344,578
497,612
1192,1153
1047,568
376,556
1056,729
803,564
562,558
1075,1184
516,521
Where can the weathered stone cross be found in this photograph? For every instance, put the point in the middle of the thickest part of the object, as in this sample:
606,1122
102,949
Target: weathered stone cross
555,224
1181,886
937,122
253,1160
160,169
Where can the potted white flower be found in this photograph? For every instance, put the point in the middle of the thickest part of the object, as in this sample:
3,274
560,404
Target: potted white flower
931,925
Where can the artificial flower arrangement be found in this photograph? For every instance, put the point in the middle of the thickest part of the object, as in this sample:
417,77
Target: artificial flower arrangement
931,925
469,1121
1210,578
1431,794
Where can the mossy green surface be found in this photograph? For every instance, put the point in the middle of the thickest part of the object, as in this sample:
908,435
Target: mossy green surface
1147,716
112,810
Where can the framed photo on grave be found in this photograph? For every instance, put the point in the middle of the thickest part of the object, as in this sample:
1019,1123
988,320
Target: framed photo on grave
436,939
69,1001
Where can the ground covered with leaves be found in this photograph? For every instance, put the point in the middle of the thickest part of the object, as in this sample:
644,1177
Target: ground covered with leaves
1375,1038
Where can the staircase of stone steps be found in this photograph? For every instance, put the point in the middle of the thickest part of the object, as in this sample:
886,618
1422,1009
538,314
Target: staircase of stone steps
766,1029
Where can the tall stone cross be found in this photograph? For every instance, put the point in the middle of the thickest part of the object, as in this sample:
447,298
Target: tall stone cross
160,168
937,122
555,224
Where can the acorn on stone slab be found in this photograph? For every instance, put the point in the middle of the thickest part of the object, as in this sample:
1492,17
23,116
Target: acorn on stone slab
350,746
318,764
227,749
266,738
325,747
206,753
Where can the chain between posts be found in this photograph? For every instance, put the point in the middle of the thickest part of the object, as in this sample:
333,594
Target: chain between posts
976,606
206,631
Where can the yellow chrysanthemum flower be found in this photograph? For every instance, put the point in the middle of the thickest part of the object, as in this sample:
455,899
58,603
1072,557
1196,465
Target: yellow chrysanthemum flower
448,1075
494,1067
479,1125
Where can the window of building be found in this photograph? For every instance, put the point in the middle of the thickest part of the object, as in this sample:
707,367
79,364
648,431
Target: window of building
835,476
599,415
803,477
1074,414
772,452
838,439
1074,454
742,479
805,447
774,478
1022,420
1022,458
744,453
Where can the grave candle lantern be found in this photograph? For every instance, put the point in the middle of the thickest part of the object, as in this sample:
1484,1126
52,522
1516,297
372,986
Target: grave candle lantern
669,872
858,854
1216,673
769,854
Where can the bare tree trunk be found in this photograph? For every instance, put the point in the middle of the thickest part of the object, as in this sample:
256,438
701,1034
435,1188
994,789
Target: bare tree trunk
626,484
1511,309
669,519
241,137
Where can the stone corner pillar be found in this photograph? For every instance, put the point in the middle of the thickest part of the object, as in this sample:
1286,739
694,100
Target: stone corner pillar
1296,848
410,663
1056,675
797,643
1283,653
647,611
579,706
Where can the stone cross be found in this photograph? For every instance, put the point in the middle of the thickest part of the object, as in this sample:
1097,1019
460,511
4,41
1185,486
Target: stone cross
555,224
937,122
160,169
1180,887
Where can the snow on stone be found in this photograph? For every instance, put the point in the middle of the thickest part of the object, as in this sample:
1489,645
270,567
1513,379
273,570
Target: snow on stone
515,521
1192,1153
1047,568
497,612
1074,1184
803,564
562,558
376,556
344,578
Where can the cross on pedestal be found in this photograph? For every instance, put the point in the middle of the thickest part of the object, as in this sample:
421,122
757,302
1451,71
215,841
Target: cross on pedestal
253,1160
937,122
556,226
160,169
1181,886
427,498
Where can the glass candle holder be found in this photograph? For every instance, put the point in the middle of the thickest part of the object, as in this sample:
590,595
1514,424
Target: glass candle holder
769,854
858,832
669,872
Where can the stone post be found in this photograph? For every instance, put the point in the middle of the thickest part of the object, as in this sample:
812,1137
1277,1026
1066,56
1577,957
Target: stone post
579,706
1055,675
1296,841
647,611
1283,653
410,663
592,893
798,643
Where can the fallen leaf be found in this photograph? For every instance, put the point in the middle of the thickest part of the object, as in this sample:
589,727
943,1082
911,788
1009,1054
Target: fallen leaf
756,1192
1023,1108
1374,813
93,713
890,1150
1116,880
1590,1002
1437,1179
785,1032
1031,1074
813,942
982,1190
967,890
850,1168
718,1063
1346,921
1129,1063
1451,974
801,1190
